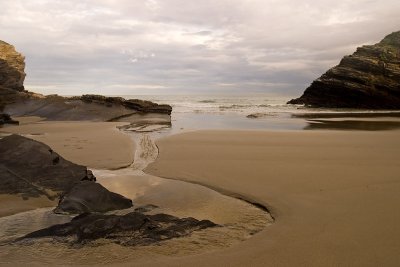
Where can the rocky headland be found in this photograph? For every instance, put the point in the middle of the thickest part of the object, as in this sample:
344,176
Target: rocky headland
16,101
12,65
367,79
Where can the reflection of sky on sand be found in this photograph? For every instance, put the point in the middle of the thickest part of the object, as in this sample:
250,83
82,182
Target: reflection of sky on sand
179,198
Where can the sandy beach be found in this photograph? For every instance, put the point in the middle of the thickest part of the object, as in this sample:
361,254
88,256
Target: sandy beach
97,145
334,195
200,133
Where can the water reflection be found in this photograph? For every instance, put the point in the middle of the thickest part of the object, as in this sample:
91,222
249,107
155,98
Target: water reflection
361,125
322,115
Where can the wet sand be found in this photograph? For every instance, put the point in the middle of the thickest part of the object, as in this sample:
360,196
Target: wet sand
97,145
12,204
238,220
334,194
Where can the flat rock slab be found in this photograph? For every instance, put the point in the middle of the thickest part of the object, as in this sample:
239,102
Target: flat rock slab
132,229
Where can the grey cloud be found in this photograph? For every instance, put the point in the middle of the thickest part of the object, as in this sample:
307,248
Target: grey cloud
177,46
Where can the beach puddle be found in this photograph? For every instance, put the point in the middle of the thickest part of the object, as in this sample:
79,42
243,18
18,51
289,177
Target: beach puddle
237,219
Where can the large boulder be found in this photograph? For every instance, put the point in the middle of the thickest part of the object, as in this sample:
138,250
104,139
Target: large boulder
368,79
132,229
88,196
31,168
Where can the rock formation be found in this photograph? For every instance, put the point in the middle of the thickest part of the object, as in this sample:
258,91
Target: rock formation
12,65
132,229
16,101
32,169
88,196
6,119
87,107
368,79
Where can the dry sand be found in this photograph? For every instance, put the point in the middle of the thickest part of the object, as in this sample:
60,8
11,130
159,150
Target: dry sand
98,145
335,195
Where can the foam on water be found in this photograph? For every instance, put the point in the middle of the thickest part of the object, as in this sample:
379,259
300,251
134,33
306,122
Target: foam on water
221,104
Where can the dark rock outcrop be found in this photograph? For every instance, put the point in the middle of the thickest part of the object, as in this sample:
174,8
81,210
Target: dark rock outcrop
12,65
132,229
33,169
87,107
6,119
15,101
88,196
132,104
368,79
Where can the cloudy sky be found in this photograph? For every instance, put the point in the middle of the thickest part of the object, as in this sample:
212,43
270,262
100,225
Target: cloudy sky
183,47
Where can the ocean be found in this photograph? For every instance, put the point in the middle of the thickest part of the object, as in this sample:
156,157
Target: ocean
227,112
221,104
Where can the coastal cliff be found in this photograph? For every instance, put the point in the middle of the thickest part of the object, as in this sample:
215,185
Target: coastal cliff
16,101
12,65
367,79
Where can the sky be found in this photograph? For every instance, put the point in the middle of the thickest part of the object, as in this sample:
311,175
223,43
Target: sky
133,47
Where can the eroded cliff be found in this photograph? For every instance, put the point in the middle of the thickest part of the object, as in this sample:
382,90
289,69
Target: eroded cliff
367,79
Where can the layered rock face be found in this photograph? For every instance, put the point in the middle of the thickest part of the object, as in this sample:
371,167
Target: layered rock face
12,65
15,101
368,79
86,107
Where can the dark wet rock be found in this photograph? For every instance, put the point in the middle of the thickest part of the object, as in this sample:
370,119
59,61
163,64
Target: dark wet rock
132,229
88,196
147,106
6,119
89,176
31,168
369,79
132,104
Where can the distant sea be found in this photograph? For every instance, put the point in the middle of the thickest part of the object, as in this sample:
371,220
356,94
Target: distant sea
221,104
230,112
